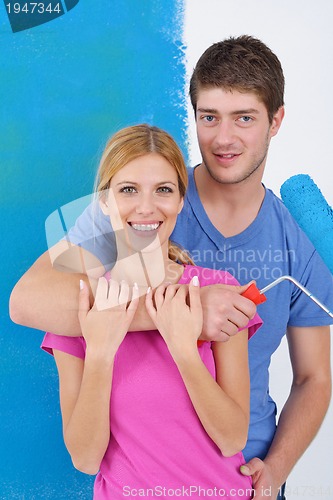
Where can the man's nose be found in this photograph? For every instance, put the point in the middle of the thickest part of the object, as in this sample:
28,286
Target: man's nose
225,133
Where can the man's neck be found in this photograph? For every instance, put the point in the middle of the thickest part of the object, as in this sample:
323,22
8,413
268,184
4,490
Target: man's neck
230,207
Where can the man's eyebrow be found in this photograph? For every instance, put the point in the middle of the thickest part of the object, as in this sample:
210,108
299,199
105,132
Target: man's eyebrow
213,111
250,111
207,110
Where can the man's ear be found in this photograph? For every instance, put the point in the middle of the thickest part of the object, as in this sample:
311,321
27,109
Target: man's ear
276,122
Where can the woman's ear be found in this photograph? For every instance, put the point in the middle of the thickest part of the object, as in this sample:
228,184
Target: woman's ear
181,204
109,207
103,203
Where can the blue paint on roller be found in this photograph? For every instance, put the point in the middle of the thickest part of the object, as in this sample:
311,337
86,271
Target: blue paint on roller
311,211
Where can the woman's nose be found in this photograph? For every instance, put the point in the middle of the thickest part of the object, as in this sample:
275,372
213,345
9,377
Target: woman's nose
145,205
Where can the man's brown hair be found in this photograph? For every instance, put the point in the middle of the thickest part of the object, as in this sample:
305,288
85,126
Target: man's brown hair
243,64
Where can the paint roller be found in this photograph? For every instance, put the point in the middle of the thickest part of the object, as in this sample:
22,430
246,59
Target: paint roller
257,296
311,211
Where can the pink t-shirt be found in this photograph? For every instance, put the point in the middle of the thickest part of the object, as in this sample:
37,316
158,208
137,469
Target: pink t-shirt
158,447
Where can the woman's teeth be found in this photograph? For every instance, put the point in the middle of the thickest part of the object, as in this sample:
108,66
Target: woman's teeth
145,227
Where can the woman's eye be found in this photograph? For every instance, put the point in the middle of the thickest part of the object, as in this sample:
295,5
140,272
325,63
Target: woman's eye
164,189
127,189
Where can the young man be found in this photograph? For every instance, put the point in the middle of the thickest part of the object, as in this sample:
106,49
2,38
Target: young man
231,221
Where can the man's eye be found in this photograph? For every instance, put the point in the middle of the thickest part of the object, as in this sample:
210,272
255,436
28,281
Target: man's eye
208,118
245,119
127,189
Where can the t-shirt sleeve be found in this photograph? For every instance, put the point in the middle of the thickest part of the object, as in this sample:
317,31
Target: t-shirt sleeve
254,324
71,345
318,280
93,232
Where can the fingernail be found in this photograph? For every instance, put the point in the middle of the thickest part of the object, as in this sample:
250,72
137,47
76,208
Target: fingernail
148,290
81,284
135,286
195,281
245,470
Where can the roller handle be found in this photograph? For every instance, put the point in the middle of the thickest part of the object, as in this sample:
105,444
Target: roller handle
253,293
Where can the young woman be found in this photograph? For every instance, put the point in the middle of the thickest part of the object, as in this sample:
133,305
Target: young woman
154,413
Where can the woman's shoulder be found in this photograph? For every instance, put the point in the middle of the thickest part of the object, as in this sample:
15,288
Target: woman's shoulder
207,276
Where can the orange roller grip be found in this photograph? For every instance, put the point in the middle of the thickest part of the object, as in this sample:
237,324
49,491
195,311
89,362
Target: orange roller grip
253,293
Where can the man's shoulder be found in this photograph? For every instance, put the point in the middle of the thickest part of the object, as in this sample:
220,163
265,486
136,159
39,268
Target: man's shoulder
281,215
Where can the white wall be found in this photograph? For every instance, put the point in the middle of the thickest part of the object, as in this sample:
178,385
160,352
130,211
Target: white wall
300,33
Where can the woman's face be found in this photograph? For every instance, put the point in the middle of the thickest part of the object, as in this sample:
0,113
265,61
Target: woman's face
144,201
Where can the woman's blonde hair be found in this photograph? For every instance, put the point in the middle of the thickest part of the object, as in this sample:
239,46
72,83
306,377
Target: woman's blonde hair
136,141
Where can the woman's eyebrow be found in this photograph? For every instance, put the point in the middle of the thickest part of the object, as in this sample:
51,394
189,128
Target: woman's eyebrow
136,183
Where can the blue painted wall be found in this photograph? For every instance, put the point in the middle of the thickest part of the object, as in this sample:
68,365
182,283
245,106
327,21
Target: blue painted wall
65,86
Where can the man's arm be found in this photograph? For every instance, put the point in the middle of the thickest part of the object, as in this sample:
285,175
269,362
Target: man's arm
46,297
303,411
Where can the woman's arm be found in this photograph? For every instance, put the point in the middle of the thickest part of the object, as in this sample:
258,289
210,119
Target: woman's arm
85,389
85,386
222,405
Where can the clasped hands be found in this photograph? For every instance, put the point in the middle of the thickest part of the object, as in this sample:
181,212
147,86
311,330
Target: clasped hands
213,313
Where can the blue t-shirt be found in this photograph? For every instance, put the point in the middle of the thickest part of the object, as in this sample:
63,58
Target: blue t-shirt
272,246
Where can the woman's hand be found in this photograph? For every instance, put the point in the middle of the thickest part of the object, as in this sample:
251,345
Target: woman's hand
105,325
177,314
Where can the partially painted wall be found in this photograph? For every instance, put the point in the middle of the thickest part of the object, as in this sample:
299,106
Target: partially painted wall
66,86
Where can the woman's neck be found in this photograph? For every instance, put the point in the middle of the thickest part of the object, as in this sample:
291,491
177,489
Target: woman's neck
146,268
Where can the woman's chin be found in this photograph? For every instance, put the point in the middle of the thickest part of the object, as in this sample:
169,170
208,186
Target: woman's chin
144,243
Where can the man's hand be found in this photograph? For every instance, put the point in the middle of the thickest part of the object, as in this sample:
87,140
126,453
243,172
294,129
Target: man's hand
225,311
262,477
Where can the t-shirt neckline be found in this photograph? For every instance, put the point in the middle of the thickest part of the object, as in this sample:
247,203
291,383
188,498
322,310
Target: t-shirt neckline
221,241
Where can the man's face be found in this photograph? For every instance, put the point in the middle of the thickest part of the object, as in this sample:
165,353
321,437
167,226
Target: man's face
234,134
